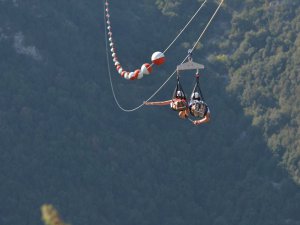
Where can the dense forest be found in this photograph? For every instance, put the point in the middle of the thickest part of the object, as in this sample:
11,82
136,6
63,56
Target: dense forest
63,141
264,73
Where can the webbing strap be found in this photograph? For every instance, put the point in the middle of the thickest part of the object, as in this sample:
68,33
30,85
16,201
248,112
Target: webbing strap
197,88
178,88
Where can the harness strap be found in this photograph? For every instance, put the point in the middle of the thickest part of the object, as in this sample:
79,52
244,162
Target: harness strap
178,88
197,88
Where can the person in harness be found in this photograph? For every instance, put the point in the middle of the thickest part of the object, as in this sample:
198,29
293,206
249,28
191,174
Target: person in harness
199,109
197,106
177,103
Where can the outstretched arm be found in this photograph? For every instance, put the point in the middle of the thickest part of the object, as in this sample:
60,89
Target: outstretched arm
206,119
158,103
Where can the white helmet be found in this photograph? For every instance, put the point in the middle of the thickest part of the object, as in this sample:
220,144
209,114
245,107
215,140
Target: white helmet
179,94
195,95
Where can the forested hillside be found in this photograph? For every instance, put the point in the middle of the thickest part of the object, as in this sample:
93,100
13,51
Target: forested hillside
264,54
63,141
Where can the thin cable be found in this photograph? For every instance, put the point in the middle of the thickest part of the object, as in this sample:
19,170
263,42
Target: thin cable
185,27
111,83
209,22
190,120
108,64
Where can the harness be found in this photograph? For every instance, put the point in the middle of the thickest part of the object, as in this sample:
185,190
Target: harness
197,107
178,105
197,100
200,108
179,102
197,89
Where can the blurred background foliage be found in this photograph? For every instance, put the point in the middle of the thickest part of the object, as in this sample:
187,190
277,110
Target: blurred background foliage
64,141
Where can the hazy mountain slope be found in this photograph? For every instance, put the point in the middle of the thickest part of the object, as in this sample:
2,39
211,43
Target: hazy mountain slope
265,73
64,141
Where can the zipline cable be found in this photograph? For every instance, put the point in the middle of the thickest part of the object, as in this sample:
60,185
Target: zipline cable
166,81
183,29
209,22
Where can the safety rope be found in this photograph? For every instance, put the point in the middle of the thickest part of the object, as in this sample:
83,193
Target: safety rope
167,80
190,120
